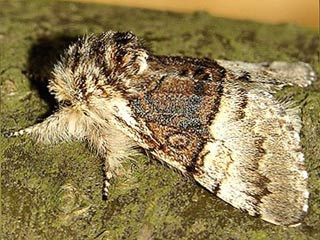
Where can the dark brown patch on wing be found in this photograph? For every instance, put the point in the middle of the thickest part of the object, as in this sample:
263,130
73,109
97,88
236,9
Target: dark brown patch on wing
179,103
243,101
178,141
255,177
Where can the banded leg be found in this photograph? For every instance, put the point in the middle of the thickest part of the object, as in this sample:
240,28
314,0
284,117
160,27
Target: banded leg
107,182
113,147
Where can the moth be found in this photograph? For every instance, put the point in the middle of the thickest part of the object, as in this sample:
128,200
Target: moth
217,122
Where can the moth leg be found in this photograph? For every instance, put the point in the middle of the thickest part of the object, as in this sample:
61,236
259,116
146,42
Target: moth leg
275,73
107,182
113,147
60,126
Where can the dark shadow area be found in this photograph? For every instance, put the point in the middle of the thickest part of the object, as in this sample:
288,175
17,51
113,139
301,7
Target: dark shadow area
41,59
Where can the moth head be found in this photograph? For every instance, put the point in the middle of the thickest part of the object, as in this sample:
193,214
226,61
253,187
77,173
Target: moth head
98,65
126,54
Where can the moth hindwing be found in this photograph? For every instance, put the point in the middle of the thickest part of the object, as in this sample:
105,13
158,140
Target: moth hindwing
216,121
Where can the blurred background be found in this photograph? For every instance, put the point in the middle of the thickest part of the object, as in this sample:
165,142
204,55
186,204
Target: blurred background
300,12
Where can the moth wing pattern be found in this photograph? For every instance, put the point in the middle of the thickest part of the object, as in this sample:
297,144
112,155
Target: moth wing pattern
271,176
277,73
251,157
216,121
258,157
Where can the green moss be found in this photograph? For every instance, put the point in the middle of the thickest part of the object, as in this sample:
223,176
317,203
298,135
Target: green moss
54,192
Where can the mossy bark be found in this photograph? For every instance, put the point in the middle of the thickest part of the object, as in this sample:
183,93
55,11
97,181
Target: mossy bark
54,192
